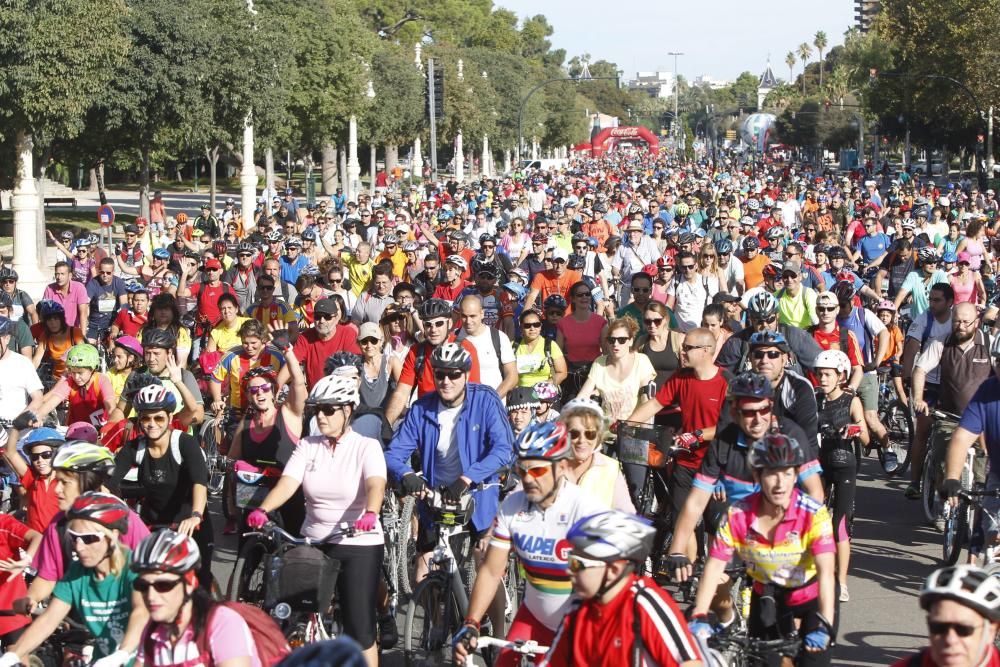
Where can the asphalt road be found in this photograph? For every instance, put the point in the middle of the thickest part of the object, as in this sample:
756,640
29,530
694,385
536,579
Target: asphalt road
893,552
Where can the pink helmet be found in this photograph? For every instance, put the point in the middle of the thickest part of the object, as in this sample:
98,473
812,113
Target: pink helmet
130,344
82,431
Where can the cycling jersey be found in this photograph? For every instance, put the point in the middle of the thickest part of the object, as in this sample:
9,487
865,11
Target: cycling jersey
91,403
538,537
789,561
420,355
229,638
924,659
276,311
603,635
235,365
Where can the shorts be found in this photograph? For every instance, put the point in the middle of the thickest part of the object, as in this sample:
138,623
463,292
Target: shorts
681,481
868,392
932,394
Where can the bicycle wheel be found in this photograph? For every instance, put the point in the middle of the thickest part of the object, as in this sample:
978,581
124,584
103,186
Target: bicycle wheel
929,498
246,583
896,418
513,586
956,532
406,545
431,615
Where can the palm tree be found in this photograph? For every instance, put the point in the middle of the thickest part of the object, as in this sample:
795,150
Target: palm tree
804,52
819,41
790,61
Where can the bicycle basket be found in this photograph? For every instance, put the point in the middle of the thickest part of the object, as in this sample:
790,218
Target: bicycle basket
307,579
454,515
639,444
253,486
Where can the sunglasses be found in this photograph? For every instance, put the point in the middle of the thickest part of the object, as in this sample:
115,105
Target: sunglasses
589,434
769,320
685,267
747,413
86,538
653,321
687,348
329,408
44,456
437,324
641,290
578,563
770,354
619,340
828,309
323,316
535,472
940,628
153,419
259,389
531,325
450,374
142,586
265,288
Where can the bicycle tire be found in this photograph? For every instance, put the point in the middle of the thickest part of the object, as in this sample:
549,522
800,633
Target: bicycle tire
896,418
247,581
513,585
407,545
431,615
956,533
928,493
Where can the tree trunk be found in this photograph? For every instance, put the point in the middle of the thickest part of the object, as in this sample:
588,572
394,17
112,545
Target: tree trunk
144,184
821,70
328,169
99,179
92,181
391,157
213,161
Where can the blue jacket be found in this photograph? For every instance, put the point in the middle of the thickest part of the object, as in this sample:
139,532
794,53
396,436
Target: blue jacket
484,438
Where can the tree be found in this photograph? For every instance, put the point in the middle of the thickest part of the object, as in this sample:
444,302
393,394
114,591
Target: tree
790,61
804,52
396,116
820,42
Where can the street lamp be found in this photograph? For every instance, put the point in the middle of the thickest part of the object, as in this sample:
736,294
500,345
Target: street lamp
677,88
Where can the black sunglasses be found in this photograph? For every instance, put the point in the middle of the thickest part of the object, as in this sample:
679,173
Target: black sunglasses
531,325
450,374
328,408
142,586
941,628
770,354
324,316
44,456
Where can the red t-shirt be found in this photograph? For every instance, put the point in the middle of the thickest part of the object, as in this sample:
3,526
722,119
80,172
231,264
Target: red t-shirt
13,536
701,405
923,659
831,341
425,384
448,293
42,501
313,352
129,323
207,298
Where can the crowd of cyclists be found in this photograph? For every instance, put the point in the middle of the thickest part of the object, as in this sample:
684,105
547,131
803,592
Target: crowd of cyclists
505,340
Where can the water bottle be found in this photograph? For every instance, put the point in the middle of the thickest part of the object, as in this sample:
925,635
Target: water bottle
272,587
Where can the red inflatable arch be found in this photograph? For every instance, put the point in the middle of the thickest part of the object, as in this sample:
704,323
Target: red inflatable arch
602,140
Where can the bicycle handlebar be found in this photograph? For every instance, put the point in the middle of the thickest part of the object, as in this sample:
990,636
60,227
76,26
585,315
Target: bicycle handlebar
521,647
949,416
272,529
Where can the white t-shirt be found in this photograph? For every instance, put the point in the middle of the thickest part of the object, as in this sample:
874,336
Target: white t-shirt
448,463
734,275
939,332
491,368
690,299
333,480
19,380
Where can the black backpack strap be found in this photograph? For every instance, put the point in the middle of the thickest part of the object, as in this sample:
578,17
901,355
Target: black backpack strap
495,336
548,356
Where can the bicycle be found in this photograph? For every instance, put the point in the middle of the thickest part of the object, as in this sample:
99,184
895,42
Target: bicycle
740,651
897,419
930,494
440,602
211,435
961,519
290,578
399,546
527,649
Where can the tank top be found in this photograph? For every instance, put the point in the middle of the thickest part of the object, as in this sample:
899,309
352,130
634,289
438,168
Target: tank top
976,251
664,362
275,447
373,392
833,415
964,292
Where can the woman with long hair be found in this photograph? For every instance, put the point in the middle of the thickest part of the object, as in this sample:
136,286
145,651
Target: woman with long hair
618,376
579,336
379,375
660,344
538,358
164,314
974,243
968,284
398,331
516,242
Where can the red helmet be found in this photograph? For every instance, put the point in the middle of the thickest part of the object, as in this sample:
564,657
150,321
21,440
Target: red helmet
166,551
103,508
650,270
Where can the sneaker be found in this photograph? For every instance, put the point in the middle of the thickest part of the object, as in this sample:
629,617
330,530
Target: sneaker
844,595
388,634
890,461
230,527
912,491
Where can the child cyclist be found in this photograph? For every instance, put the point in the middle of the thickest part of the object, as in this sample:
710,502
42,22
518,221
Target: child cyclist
90,393
126,357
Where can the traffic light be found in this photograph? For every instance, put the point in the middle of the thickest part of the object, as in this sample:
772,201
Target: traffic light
864,13
438,84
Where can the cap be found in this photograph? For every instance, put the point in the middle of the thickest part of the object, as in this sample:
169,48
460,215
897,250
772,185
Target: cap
212,263
560,254
326,306
964,257
538,237
725,297
635,226
827,299
369,330
791,267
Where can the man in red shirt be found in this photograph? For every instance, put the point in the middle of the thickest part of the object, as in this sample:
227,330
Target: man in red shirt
831,336
131,320
436,315
454,268
207,292
37,479
699,389
314,346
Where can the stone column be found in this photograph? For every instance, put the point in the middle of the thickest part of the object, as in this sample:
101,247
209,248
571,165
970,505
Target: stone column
25,207
248,177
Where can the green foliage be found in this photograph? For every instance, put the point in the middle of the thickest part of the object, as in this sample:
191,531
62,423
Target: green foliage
397,113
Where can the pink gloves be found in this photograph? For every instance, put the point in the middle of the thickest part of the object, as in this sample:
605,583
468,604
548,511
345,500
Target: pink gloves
257,519
366,522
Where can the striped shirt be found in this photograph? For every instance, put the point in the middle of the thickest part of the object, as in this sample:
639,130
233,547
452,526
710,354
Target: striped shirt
234,365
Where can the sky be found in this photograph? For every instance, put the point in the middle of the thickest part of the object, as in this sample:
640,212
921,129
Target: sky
719,38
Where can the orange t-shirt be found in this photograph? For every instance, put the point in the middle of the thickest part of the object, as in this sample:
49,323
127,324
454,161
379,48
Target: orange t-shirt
56,351
895,348
547,284
753,270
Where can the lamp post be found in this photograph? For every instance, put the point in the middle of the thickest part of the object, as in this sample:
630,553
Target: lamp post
677,88
248,171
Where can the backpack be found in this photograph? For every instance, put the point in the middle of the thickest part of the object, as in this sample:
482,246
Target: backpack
267,636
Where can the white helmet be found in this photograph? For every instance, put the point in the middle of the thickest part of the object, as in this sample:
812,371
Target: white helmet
834,359
966,584
584,405
335,390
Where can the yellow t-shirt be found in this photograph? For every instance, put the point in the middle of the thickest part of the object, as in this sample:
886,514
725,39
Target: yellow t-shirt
227,337
532,366
118,379
357,272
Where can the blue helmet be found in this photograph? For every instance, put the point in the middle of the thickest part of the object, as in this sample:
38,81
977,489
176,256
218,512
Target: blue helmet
48,308
43,436
724,246
545,440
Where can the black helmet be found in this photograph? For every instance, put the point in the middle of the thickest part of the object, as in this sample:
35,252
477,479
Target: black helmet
775,450
843,290
751,385
435,308
160,338
136,381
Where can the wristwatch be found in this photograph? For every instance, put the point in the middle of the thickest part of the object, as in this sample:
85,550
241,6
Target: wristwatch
197,514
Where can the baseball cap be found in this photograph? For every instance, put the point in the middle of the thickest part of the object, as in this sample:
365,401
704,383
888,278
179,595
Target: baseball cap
326,306
560,254
212,263
369,330
791,267
827,299
964,257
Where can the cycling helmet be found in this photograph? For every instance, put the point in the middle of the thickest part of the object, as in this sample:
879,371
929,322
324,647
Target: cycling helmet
136,381
775,450
521,398
166,551
927,255
66,236
158,338
772,271
445,216
681,209
265,372
48,308
42,436
481,265
161,253
293,242
390,239
545,440
79,456
335,390
432,309
613,535
83,355
769,339
410,246
487,238
750,385
245,249
966,584
652,269
843,290
451,355
750,243
129,344
580,237
8,273
547,391
885,304
836,252
308,234
774,233
834,359
458,262
103,508
723,246
753,205
154,398
584,405
219,247
949,258
343,363
181,218
554,302
686,238
273,236
762,305
767,201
